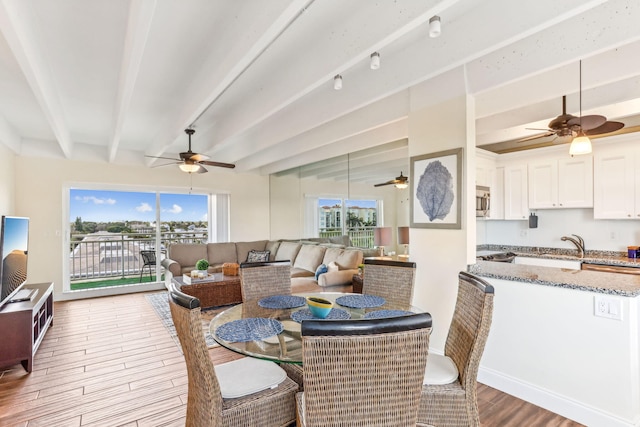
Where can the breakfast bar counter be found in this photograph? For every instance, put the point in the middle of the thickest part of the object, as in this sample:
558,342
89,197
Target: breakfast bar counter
565,339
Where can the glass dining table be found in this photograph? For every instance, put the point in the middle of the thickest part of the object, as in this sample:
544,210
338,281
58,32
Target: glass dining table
270,328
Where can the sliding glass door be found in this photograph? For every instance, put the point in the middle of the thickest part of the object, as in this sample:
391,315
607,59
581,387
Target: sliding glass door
119,238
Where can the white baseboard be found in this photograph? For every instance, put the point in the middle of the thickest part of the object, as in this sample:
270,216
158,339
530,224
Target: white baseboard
551,401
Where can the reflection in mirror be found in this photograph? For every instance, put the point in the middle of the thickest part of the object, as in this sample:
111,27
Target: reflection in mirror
338,196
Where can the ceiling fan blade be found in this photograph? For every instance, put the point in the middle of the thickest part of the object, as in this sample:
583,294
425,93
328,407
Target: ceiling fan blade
588,122
166,164
385,183
218,164
607,127
201,169
532,137
165,158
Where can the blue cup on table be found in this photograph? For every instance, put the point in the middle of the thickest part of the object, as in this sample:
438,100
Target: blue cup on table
319,307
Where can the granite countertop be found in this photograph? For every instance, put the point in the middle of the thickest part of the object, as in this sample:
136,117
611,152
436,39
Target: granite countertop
590,256
627,285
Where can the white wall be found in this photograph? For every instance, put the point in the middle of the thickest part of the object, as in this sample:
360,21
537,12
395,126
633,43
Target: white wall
39,184
7,182
438,123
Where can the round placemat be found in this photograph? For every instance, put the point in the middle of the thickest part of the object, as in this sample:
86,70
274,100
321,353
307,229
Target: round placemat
282,301
360,301
381,314
251,329
334,314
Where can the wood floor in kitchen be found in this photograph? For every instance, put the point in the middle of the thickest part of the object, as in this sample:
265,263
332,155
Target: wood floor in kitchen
111,362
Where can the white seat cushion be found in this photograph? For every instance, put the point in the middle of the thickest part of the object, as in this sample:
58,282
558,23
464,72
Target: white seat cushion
440,370
247,376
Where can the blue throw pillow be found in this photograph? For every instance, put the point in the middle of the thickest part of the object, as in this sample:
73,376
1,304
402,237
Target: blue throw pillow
321,269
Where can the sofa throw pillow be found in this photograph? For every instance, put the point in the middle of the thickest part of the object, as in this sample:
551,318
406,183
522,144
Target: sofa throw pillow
321,270
258,256
332,266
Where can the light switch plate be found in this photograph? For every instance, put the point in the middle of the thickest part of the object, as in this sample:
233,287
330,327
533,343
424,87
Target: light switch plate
607,306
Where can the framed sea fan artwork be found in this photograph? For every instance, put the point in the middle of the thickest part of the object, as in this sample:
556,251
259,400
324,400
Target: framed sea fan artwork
436,189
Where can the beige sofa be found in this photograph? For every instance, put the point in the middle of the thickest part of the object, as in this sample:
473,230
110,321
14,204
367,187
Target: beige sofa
305,257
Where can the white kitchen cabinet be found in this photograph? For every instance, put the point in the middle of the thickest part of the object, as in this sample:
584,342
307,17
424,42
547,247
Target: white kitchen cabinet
617,184
489,175
516,205
561,183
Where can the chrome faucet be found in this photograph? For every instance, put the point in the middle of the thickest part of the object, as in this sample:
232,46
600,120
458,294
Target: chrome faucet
578,241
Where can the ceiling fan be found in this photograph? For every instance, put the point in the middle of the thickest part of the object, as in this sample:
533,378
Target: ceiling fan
191,162
566,126
400,182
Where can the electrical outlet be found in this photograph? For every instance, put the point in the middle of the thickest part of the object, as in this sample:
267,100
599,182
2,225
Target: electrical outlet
613,235
609,307
523,233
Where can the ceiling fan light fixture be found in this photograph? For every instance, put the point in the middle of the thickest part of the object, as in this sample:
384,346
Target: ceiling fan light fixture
337,82
402,185
189,167
435,27
580,145
375,61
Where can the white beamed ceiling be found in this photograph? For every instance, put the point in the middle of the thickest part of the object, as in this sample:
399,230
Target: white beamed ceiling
115,80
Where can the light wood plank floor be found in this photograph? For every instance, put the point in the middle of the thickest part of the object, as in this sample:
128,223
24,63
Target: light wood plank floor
110,362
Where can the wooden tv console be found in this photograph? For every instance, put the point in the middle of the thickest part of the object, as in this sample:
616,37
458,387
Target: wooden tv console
23,325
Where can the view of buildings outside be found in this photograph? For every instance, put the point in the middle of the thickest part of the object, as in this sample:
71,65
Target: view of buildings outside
109,229
361,218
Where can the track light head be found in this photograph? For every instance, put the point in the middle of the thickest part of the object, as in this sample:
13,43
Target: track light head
337,82
435,27
375,61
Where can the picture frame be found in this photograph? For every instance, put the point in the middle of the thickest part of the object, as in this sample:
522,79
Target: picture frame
436,190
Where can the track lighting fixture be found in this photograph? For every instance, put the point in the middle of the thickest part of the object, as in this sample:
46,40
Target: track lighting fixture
337,82
375,61
434,26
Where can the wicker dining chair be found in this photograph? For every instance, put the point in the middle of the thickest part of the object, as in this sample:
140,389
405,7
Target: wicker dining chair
449,395
205,405
392,280
363,373
263,279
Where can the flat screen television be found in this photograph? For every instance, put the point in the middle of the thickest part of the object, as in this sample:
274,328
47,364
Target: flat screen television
14,248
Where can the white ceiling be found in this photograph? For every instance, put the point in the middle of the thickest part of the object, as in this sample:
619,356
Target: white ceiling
115,80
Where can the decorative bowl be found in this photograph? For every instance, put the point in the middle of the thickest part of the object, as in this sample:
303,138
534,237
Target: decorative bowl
319,307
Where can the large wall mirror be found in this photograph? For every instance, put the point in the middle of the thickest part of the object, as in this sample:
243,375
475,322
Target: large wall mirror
350,179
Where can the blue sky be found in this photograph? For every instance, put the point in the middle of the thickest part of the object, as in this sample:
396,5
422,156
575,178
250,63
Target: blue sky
114,206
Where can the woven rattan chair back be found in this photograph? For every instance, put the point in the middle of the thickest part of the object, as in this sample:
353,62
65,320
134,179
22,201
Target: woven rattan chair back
262,279
455,404
204,401
205,406
366,372
470,326
392,280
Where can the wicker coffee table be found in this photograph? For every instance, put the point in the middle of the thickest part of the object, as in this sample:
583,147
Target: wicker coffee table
220,290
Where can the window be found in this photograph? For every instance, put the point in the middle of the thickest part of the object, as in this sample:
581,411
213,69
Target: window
360,218
108,229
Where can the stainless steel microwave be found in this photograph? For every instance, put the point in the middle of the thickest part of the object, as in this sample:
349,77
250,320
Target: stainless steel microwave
483,197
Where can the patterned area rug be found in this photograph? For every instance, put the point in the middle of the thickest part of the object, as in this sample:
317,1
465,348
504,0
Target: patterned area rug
160,304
